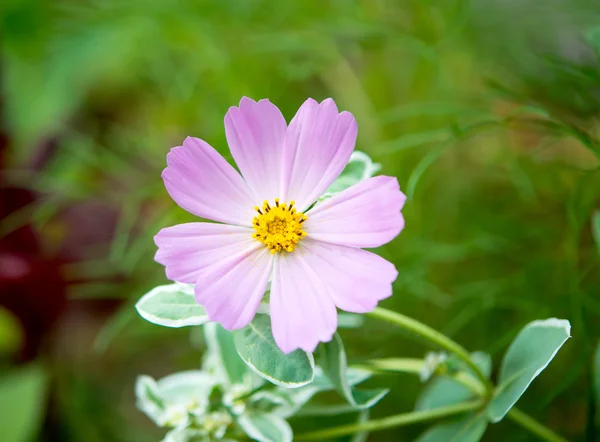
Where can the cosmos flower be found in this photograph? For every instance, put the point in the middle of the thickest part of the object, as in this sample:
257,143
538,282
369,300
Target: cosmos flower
270,228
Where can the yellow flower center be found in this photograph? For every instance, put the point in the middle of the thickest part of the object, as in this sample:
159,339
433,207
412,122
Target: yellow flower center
278,227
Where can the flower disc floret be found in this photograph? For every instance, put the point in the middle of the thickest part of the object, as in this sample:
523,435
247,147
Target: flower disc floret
279,227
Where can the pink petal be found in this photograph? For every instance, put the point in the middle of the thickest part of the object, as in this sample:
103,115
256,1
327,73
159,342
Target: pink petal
318,144
302,312
364,215
255,134
231,289
356,279
187,249
200,180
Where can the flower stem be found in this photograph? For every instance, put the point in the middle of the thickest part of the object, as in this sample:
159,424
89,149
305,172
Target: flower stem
534,426
433,336
392,421
414,366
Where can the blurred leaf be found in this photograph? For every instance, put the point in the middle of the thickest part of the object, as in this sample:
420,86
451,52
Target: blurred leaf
333,361
350,320
593,36
188,435
172,305
528,355
170,400
22,398
596,228
442,391
467,429
265,427
221,344
11,334
149,398
256,346
113,327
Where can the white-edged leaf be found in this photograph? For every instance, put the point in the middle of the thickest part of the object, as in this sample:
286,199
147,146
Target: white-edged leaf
148,398
265,427
222,351
22,398
359,167
333,361
170,400
467,429
186,387
527,356
256,346
172,305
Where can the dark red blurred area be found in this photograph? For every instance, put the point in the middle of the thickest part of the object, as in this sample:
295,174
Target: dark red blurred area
31,282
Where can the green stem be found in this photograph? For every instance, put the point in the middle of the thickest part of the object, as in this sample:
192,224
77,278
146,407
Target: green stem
392,421
534,426
433,336
414,366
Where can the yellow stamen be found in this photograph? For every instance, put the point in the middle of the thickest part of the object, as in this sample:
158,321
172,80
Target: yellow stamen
278,227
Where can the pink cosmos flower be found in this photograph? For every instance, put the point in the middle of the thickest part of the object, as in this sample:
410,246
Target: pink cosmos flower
268,227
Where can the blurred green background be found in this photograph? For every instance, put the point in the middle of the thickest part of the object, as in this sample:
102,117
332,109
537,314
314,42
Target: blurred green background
486,110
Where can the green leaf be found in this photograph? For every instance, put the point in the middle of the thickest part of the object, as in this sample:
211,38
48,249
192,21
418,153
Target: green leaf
256,346
22,398
333,361
359,167
467,429
265,427
171,305
596,227
445,390
222,349
285,402
530,352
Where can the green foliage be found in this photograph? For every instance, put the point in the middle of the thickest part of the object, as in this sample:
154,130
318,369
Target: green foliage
449,390
264,427
221,346
332,358
467,429
528,355
256,346
497,226
171,305
22,400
